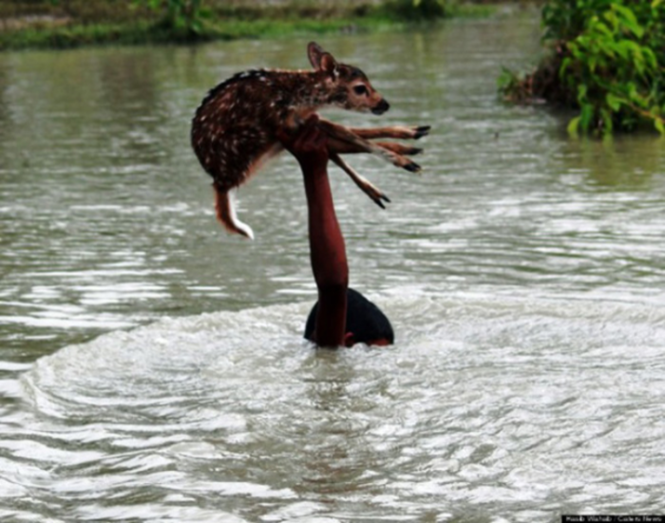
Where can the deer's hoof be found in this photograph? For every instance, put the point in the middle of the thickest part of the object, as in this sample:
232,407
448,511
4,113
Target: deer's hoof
412,167
421,131
379,199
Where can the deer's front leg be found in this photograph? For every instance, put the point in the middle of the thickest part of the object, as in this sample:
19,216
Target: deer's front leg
399,132
350,148
376,195
339,133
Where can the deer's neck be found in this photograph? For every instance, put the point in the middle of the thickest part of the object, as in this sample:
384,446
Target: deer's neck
305,90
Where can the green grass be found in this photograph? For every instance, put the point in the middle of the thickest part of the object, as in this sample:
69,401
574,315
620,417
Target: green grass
146,32
80,26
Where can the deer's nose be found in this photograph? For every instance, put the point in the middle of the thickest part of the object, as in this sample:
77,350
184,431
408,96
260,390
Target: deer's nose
382,107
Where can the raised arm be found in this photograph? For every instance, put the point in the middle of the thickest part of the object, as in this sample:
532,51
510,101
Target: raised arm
327,250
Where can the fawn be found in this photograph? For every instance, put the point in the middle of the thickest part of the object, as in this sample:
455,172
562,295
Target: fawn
235,129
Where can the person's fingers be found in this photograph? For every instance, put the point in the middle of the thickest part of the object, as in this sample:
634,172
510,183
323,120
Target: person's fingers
307,137
310,135
319,137
311,121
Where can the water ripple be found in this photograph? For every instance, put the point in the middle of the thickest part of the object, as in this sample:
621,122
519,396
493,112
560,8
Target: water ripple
514,403
521,271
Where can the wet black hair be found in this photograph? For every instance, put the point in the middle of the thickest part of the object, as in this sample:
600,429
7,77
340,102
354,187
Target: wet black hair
364,319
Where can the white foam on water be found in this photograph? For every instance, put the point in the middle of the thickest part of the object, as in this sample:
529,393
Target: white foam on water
486,403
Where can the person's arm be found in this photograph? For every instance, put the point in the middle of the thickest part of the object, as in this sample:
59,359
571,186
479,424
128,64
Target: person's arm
327,250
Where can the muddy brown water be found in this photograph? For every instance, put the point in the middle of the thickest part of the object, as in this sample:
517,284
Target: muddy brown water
151,367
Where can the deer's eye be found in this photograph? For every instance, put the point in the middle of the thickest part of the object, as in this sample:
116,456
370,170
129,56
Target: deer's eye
360,89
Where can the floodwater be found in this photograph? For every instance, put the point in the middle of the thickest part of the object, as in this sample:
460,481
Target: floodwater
152,367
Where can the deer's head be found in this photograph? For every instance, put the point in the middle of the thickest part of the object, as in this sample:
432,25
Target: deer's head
348,87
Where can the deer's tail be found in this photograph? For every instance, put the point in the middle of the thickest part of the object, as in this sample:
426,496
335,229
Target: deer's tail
226,214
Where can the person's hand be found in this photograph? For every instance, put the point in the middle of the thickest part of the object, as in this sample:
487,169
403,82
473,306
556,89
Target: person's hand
309,144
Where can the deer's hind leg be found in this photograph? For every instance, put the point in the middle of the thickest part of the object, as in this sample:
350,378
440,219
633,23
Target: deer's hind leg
226,213
224,206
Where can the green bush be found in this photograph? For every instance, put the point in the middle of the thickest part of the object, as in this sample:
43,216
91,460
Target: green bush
607,60
416,10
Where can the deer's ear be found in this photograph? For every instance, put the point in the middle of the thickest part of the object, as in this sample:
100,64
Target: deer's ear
320,59
328,64
314,53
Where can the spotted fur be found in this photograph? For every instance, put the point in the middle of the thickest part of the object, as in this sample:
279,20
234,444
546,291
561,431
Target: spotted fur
234,130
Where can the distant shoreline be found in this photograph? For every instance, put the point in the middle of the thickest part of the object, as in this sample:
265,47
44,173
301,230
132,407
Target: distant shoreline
53,29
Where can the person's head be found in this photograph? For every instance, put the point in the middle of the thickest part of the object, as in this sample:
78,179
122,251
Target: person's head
365,323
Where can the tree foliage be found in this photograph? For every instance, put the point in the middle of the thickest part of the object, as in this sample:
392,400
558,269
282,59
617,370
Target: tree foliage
607,60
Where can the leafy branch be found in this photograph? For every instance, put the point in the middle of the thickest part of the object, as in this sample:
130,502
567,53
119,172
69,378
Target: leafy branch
607,61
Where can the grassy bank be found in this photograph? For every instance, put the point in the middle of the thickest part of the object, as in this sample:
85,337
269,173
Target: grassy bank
148,32
74,23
